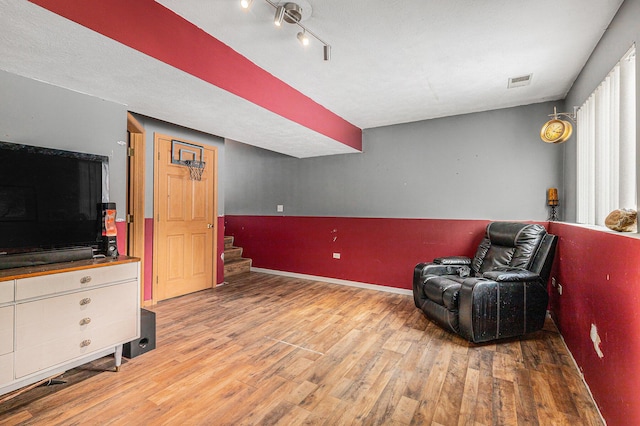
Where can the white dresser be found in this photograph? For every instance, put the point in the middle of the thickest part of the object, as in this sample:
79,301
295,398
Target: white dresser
56,317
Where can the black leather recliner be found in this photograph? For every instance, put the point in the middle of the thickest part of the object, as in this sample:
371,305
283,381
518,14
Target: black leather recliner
500,293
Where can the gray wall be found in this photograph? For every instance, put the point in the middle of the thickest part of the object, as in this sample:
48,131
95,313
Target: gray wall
489,165
623,31
40,114
36,113
152,126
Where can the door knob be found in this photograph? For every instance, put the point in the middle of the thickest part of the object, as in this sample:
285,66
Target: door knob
209,225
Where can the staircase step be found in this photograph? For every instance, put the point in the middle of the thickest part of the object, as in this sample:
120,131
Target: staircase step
236,266
232,253
228,242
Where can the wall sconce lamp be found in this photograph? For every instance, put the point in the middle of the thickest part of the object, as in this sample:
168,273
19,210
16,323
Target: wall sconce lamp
291,13
552,202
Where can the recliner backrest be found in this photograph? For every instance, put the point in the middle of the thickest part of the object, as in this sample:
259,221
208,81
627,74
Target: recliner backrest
510,245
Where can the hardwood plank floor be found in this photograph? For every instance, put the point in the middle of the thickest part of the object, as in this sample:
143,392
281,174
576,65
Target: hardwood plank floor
266,349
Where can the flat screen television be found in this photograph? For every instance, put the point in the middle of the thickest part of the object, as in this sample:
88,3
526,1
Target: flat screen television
49,199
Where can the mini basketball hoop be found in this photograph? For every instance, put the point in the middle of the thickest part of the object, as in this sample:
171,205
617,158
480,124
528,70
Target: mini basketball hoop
195,169
180,150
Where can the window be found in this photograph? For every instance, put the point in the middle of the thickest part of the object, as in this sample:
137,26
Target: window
606,145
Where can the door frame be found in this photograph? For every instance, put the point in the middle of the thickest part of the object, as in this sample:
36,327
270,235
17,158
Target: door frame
214,206
135,196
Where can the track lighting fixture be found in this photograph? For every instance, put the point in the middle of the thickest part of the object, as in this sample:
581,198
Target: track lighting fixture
291,13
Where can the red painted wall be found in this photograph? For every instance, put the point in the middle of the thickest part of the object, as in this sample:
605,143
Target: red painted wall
121,230
600,277
219,257
373,251
148,258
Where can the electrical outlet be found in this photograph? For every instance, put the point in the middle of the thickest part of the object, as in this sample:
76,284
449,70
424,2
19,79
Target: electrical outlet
280,208
336,255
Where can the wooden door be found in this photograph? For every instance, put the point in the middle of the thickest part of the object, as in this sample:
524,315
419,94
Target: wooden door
184,235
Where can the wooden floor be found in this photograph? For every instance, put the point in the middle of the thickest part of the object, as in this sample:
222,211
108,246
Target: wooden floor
265,349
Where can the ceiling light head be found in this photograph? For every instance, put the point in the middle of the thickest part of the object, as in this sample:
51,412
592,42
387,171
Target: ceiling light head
246,4
302,37
327,52
277,19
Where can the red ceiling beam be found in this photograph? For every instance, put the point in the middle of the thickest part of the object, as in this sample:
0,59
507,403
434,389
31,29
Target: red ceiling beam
154,30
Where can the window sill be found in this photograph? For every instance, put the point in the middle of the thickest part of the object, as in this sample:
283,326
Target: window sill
634,235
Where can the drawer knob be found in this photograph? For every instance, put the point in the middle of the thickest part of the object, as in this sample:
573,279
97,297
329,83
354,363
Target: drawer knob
85,301
85,279
85,321
85,343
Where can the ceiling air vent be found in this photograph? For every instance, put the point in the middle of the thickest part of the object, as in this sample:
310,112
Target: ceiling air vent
523,80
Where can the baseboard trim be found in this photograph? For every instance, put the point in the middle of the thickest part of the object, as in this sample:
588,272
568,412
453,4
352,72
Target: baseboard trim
335,281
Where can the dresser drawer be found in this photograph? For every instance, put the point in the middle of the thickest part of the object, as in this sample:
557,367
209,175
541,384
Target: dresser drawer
27,288
6,330
6,368
55,330
6,291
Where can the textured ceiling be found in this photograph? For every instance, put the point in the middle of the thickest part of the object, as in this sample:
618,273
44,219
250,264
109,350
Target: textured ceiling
393,61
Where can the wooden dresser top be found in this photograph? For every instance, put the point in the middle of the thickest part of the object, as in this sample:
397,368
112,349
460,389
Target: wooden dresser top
52,268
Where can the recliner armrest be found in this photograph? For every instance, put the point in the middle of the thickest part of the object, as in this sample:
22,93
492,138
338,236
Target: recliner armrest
423,269
452,260
511,274
420,274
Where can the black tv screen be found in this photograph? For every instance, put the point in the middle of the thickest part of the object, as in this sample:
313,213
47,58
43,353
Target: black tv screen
49,198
